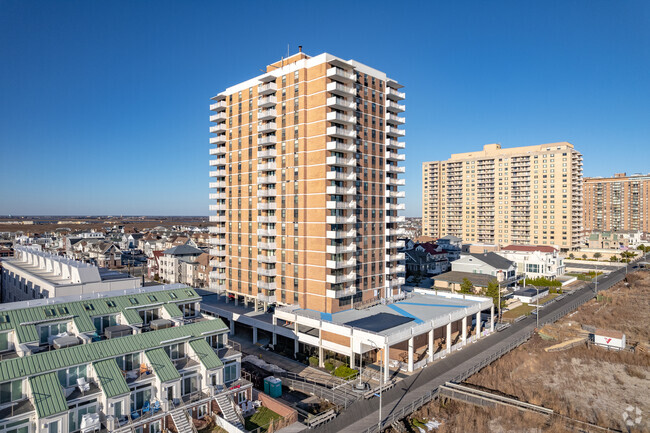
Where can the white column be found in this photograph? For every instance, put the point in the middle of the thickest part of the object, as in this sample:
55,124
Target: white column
275,340
321,361
464,334
385,360
254,335
255,305
431,348
352,356
410,359
492,318
448,337
295,342
478,325
232,326
275,336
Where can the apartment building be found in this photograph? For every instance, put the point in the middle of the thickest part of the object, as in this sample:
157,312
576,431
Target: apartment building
140,360
521,195
35,274
305,185
617,203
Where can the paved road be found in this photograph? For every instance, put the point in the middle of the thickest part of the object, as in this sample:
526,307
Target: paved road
364,414
592,266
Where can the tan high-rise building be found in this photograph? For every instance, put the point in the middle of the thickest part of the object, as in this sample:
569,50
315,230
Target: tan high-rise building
521,195
617,203
305,183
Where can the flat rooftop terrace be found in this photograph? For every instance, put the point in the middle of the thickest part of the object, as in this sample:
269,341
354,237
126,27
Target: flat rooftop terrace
416,309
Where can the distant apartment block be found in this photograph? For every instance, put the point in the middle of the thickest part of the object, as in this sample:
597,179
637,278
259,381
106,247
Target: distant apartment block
617,203
522,195
305,185
34,274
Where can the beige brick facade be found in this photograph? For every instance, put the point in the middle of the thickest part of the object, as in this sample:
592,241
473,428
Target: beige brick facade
617,203
305,185
522,195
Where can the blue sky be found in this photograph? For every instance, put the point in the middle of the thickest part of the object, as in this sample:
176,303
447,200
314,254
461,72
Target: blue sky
104,105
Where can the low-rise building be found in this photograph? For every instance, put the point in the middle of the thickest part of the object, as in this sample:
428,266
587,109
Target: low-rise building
530,294
174,264
86,361
490,263
452,244
426,259
614,240
34,274
535,260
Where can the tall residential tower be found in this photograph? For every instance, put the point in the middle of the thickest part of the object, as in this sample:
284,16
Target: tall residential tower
521,195
617,203
305,185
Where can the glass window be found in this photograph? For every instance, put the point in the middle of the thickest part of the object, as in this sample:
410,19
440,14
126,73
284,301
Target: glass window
11,391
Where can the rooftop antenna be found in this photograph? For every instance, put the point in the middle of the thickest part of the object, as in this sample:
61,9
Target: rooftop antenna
288,53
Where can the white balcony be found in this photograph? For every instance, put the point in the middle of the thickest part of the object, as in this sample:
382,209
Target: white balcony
394,95
395,282
341,249
269,101
395,182
395,232
266,127
218,173
219,117
218,106
266,232
334,116
266,219
218,184
341,74
394,107
219,139
267,272
263,258
395,169
267,206
395,219
341,147
218,241
332,219
396,257
217,218
267,139
336,175
266,246
341,103
395,194
340,264
341,89
341,190
218,128
267,89
340,234
394,244
217,161
270,299
266,179
267,153
391,143
221,150
217,196
339,279
217,230
267,114
395,156
265,285
217,275
267,166
396,132
218,252
270,192
341,204
392,119
215,207
392,206
341,293
336,160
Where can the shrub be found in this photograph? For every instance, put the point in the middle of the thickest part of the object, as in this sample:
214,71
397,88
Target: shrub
543,282
344,371
313,361
329,366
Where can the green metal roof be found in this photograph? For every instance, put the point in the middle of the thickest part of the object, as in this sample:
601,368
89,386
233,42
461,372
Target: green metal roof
82,312
173,310
162,365
47,394
91,352
110,378
206,354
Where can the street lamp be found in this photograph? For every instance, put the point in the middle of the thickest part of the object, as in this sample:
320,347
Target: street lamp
537,303
381,379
